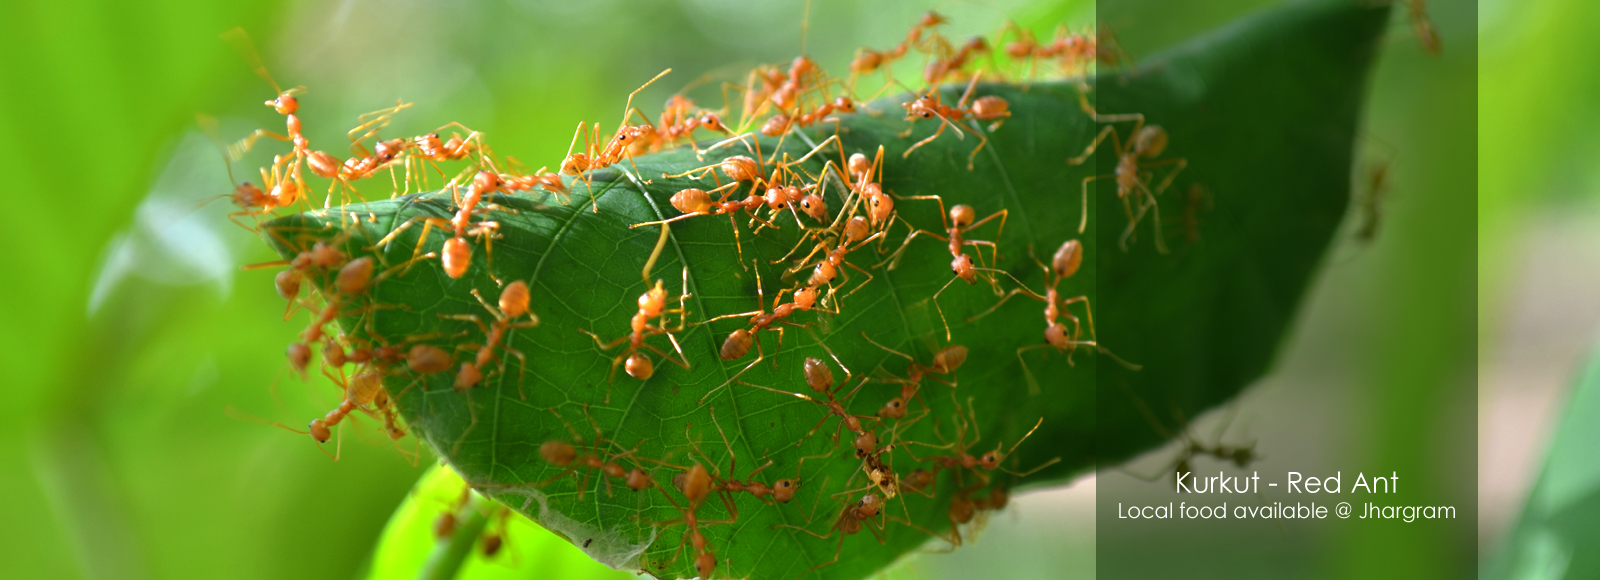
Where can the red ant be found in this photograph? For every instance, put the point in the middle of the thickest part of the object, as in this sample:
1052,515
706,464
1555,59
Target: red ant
596,157
694,202
285,103
853,237
569,458
697,484
961,459
940,68
652,304
456,255
1147,142
781,123
513,305
959,223
868,61
848,523
250,199
362,390
945,362
738,344
1063,265
928,106
780,491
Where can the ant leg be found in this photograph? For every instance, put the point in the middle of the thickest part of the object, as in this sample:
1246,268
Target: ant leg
1115,145
982,141
760,356
1003,299
1083,223
947,336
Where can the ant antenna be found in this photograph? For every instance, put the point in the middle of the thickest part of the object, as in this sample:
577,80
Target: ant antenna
629,106
805,25
240,41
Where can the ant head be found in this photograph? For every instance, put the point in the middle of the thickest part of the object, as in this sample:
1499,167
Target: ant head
333,354
491,544
894,409
485,182
1242,456
775,197
1056,335
869,506
815,207
558,453
285,104
844,105
805,298
918,479
514,299
712,122
818,376
639,366
991,460
1150,141
881,205
638,480
691,200
866,443
387,150
931,19
823,274
354,276
653,301
783,490
469,376
320,431
246,195
978,44
1067,259
457,255
856,229
427,359
737,345
705,564
299,355
325,255
962,215
948,359
1018,49
962,266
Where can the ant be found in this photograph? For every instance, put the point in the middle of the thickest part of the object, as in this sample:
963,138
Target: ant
1146,143
513,305
852,238
849,523
780,491
959,223
1064,264
361,391
960,458
819,377
569,458
928,106
781,123
697,202
456,255
945,362
868,61
285,103
1190,447
251,200
697,484
942,67
738,343
652,304
596,157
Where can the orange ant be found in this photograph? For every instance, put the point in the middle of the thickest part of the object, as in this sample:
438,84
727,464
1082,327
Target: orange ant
1063,265
738,343
569,458
849,523
596,157
819,377
960,458
780,491
362,390
1147,142
959,223
456,255
285,103
940,68
781,123
945,362
853,237
513,305
868,61
652,304
694,202
928,106
697,484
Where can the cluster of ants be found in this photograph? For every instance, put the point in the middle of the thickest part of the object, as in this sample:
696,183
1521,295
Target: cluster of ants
778,103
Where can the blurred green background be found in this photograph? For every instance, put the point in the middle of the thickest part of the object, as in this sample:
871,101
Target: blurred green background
134,331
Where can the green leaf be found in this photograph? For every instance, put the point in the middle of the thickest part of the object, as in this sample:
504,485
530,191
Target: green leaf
1264,111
